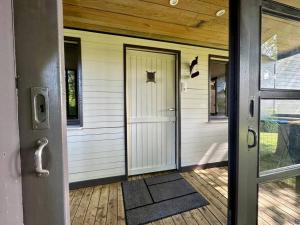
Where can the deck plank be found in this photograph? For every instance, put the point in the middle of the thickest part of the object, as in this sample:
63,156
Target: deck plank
75,203
213,196
121,212
188,218
159,222
168,221
103,205
112,214
200,219
178,220
93,207
83,206
211,218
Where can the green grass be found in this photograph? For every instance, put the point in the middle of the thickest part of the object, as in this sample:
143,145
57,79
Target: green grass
269,158
268,142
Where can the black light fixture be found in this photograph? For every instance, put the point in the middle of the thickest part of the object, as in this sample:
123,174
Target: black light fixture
192,66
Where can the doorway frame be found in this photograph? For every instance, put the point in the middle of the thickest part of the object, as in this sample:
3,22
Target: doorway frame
177,54
217,58
233,112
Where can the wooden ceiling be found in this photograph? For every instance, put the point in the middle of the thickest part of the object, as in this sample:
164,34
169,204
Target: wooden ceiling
191,21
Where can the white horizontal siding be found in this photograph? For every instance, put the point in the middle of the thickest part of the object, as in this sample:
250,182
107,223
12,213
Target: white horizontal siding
97,150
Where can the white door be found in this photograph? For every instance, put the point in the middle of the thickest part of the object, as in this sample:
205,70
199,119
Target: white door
151,115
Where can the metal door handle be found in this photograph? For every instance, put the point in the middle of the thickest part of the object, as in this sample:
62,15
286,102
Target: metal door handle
255,137
38,158
171,109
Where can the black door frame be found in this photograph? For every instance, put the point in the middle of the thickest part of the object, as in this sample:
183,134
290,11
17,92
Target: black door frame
177,54
243,51
285,12
244,86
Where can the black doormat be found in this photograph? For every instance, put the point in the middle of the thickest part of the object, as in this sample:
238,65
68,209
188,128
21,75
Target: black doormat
152,199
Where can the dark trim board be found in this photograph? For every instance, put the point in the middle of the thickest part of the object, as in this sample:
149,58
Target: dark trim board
125,110
144,38
108,180
95,182
233,113
177,54
280,10
203,166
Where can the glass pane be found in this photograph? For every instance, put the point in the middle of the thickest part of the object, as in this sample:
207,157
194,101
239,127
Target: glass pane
71,95
279,134
279,201
213,110
218,95
280,53
221,95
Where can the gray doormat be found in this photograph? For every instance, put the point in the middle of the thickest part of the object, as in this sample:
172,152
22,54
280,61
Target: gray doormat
152,199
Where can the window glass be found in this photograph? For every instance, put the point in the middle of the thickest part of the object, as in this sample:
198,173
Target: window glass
218,88
72,79
279,134
280,53
72,109
221,95
213,108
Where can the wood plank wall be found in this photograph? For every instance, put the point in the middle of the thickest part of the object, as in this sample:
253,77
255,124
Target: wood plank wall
97,149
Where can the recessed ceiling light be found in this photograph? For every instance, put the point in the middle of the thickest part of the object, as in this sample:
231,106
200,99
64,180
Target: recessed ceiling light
221,12
173,2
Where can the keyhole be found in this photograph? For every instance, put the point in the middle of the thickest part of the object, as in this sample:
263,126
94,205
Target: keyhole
42,108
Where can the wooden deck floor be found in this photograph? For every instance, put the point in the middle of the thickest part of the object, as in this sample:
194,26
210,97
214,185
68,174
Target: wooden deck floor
103,205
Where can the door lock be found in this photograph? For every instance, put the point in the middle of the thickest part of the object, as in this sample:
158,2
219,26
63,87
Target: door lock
40,108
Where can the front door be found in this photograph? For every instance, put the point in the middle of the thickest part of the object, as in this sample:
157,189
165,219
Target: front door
268,161
42,120
151,112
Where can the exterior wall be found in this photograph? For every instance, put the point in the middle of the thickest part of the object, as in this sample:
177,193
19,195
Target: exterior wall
282,73
97,150
11,208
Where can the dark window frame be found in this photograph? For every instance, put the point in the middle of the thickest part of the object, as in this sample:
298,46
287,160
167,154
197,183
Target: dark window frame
225,60
78,121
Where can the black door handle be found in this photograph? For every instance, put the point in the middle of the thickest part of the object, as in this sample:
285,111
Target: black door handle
255,137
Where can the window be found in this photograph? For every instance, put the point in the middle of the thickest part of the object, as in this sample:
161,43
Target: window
73,80
218,77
